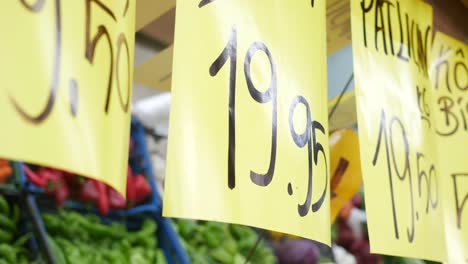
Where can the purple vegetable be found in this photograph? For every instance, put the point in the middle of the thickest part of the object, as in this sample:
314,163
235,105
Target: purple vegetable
297,252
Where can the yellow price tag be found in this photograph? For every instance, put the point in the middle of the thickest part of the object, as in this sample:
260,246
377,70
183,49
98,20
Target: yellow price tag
66,69
449,75
248,128
391,47
345,169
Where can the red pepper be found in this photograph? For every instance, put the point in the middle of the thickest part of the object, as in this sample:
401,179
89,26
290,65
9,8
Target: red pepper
50,175
33,177
88,192
116,200
103,200
142,188
57,187
73,181
61,194
131,192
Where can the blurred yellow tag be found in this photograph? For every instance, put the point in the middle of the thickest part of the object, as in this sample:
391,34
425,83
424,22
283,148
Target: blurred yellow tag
449,75
66,69
157,71
342,111
345,169
391,48
149,10
248,131
338,25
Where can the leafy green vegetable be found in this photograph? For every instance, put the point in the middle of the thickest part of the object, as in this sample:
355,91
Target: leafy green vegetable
83,239
211,242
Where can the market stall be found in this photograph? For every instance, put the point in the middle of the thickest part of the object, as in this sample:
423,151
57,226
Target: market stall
234,131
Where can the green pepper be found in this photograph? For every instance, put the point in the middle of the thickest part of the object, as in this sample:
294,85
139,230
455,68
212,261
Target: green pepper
230,245
7,223
147,231
211,239
8,253
58,253
221,255
5,237
186,228
239,259
22,260
22,240
137,256
160,259
16,214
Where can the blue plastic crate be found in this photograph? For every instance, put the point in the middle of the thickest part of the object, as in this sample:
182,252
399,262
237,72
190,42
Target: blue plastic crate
141,164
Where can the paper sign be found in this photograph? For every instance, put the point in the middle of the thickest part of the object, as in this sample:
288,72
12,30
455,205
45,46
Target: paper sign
248,135
345,169
66,69
391,47
449,75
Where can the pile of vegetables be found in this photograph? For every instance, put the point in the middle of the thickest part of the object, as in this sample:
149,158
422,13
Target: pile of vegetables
211,242
11,251
62,185
83,239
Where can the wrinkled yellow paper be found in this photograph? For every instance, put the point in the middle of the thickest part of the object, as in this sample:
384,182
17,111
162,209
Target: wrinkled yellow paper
449,75
56,105
342,112
391,46
345,169
197,185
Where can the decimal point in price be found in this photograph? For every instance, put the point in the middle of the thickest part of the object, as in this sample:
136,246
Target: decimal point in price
73,97
290,190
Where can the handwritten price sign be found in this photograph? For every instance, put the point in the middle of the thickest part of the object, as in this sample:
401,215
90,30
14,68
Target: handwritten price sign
391,47
449,75
66,69
248,129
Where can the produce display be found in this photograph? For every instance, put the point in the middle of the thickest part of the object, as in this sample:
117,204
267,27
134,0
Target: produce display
211,242
12,247
76,237
61,186
82,239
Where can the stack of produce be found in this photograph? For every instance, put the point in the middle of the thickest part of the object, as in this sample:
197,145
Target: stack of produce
83,239
11,250
63,185
211,242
